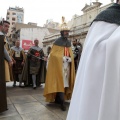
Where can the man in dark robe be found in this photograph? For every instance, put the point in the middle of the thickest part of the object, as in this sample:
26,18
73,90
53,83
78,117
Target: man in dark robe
34,70
3,55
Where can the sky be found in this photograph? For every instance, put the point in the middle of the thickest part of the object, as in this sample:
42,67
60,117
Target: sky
38,11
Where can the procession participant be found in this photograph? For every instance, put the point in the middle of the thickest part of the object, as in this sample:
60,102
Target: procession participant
96,94
77,53
8,69
18,57
3,55
34,71
60,70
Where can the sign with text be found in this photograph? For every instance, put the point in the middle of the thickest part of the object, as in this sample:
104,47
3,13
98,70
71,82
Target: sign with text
26,44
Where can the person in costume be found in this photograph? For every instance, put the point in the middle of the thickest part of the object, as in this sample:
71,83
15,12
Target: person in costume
60,70
18,57
34,71
96,94
8,69
6,54
3,56
77,49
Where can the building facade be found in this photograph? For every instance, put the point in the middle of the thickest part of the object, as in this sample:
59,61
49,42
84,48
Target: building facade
29,32
79,25
51,24
82,23
14,15
33,33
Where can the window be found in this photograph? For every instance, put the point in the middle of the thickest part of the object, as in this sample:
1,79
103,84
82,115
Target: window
13,19
8,13
13,13
7,18
13,23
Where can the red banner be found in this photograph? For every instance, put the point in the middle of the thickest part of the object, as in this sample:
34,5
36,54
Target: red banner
26,44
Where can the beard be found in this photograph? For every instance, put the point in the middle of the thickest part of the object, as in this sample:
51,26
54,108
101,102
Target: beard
66,35
74,44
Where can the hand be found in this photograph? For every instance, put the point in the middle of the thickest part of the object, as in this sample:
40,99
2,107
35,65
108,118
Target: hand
10,63
45,58
22,63
14,62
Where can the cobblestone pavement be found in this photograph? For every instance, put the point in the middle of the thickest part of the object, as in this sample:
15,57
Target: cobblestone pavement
29,104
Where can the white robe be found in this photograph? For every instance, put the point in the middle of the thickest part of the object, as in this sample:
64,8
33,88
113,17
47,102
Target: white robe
66,70
96,94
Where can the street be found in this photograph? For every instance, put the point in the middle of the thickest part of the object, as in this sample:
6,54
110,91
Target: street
29,104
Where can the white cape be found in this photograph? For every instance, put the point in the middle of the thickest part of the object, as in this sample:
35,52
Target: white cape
96,94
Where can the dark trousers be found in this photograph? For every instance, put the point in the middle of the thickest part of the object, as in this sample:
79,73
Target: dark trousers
60,98
16,78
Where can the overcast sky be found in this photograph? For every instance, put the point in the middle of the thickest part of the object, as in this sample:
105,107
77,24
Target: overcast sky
39,11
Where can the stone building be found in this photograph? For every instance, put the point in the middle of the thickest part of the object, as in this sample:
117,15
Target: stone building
51,24
79,25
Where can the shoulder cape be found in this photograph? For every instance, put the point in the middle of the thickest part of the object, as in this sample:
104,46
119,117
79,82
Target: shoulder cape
62,41
111,14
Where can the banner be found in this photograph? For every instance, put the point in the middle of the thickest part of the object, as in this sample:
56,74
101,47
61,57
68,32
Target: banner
26,44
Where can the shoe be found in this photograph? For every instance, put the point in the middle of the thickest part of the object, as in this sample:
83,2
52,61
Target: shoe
20,85
40,85
34,87
63,108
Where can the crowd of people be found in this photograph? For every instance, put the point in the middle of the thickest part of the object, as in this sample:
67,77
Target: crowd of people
56,69
93,86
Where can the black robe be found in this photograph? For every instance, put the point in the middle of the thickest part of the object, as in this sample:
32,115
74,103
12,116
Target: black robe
27,77
3,100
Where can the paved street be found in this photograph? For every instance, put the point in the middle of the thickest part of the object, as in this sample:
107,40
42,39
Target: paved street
28,104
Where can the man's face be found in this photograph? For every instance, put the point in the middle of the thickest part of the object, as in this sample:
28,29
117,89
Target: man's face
36,42
74,42
17,43
66,34
5,28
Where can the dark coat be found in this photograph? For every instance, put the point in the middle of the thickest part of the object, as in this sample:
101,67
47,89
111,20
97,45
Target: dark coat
3,100
27,77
